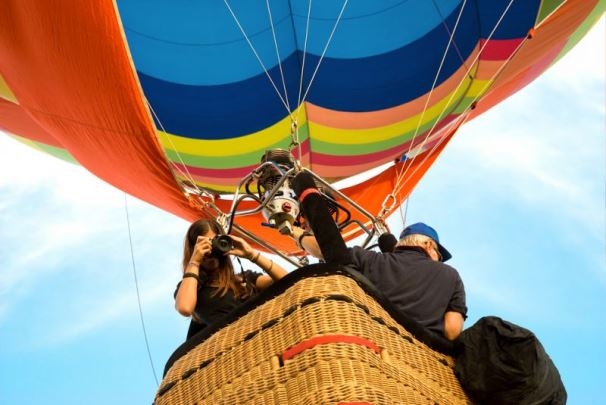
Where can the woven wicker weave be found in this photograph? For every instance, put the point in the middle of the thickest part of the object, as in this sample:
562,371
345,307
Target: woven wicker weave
322,341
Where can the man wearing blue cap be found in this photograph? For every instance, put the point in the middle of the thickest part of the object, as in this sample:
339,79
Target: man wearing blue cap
413,277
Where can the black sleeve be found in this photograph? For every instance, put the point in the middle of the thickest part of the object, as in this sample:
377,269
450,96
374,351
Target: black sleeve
457,301
251,276
194,327
315,210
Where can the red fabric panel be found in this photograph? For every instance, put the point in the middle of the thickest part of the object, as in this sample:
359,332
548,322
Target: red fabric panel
82,91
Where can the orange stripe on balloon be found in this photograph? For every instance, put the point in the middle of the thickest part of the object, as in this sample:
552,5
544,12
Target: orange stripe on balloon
487,69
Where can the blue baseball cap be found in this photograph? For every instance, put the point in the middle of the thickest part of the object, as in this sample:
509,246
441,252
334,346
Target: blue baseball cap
421,229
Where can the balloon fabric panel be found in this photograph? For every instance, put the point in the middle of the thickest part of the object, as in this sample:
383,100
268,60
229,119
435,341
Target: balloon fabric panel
149,94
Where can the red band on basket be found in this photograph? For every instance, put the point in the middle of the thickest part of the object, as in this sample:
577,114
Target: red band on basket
326,339
307,192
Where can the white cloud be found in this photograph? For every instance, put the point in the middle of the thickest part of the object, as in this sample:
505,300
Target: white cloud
102,310
70,222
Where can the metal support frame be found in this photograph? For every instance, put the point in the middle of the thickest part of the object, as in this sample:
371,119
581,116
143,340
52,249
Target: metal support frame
372,228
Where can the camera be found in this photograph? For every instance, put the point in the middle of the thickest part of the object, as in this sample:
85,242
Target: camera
221,244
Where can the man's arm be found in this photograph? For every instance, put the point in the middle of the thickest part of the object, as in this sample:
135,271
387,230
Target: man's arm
307,242
315,210
453,324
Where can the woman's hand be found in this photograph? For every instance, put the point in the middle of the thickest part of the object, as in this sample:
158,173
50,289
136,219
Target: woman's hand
242,248
202,249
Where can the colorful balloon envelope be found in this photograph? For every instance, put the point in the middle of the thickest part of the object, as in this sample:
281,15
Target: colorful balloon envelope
159,98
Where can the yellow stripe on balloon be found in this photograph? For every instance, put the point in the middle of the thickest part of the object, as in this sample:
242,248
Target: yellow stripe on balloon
478,88
259,140
6,93
372,135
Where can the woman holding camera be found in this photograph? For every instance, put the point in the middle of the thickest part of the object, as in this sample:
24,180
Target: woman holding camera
210,288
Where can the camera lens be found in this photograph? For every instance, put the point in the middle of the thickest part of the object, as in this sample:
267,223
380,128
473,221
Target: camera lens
221,244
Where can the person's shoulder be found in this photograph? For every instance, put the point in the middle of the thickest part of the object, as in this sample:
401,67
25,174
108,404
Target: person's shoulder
359,250
448,268
359,255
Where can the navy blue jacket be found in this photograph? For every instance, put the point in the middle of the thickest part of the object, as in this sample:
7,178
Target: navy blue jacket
418,286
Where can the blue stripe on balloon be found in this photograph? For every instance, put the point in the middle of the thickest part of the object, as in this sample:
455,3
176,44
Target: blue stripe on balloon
363,84
368,84
202,45
368,28
517,20
199,43
219,112
377,83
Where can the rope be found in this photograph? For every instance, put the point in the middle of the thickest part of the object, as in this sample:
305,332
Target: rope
185,173
273,33
403,171
472,104
284,103
334,28
447,28
299,99
465,114
404,214
132,257
295,141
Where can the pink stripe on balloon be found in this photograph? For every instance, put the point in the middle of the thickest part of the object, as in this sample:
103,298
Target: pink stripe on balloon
499,49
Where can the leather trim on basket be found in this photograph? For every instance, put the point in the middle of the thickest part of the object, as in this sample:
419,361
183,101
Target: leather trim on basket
327,339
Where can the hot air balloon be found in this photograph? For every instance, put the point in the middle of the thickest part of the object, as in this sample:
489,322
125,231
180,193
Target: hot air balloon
181,103
176,103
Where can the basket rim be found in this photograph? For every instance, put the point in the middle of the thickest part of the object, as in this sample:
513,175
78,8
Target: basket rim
431,339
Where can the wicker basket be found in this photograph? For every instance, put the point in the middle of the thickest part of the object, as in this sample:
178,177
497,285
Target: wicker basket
322,340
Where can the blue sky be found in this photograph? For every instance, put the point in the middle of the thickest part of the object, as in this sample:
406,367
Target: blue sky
518,197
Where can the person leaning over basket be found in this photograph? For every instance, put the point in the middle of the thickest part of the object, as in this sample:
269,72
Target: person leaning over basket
210,288
413,277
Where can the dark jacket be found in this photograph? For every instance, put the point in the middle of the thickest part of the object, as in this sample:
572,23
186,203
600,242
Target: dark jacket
418,286
212,306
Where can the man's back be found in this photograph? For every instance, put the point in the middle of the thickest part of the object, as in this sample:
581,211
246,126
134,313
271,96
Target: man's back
421,288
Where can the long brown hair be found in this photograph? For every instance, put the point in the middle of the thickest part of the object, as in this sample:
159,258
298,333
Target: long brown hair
224,278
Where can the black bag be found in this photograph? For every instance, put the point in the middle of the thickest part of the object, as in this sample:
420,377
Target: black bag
498,362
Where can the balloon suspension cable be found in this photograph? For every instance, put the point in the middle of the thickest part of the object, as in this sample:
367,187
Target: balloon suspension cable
279,59
132,258
307,22
438,71
279,206
401,178
466,113
401,174
283,98
174,167
403,215
332,33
